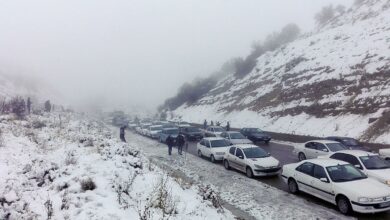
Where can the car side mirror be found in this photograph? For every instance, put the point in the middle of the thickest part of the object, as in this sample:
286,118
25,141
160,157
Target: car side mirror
241,157
325,180
358,166
325,150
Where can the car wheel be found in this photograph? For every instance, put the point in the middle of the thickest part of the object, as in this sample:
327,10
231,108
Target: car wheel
249,172
301,156
200,153
212,158
226,164
293,186
344,205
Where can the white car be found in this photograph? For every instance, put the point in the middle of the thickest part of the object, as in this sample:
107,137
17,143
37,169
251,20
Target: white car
236,137
144,128
316,148
339,183
385,153
214,131
213,148
369,163
154,131
252,160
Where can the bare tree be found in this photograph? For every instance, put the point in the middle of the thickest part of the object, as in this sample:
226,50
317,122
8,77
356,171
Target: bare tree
325,15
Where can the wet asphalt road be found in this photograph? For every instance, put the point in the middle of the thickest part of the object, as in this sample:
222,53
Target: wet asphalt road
283,153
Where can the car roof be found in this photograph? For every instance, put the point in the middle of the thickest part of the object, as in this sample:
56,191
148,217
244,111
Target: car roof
233,132
245,146
324,141
326,162
357,153
213,138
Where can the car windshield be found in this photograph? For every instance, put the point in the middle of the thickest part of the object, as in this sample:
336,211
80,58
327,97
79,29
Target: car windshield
345,173
374,162
173,131
237,136
350,142
218,129
220,143
334,147
255,130
255,152
193,129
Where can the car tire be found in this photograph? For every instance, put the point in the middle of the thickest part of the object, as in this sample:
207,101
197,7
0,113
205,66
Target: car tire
212,158
301,156
344,205
249,172
200,154
226,164
293,186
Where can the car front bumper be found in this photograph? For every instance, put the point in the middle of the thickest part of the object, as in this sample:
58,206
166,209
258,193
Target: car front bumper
370,208
267,172
218,157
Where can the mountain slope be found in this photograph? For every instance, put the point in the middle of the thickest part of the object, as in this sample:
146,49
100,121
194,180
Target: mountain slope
332,81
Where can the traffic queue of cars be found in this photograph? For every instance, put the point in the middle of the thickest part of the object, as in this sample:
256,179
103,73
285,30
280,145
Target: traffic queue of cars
336,169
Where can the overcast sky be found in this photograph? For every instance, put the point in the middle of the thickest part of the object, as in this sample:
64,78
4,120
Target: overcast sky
136,52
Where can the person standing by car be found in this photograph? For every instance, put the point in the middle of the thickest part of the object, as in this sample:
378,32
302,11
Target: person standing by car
212,123
122,133
205,124
227,126
180,141
170,142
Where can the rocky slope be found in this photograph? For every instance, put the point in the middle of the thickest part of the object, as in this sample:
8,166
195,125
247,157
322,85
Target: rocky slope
333,81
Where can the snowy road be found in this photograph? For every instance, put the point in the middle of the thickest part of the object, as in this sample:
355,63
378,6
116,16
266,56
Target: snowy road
248,198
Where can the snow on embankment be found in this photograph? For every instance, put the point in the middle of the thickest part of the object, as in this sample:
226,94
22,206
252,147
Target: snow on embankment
335,81
69,167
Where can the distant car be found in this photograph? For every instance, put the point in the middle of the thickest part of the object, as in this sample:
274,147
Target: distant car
350,143
252,160
191,133
371,164
145,129
316,148
213,148
154,131
236,137
339,183
385,153
174,132
168,125
213,131
256,135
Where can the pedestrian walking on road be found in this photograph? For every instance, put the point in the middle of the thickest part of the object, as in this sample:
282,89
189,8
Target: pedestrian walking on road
170,142
227,126
205,124
218,123
122,133
180,141
212,123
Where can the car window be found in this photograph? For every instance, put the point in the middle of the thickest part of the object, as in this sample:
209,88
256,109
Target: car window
256,152
334,147
321,147
319,172
239,153
207,144
236,136
338,156
374,162
220,143
201,142
345,173
310,145
223,135
306,168
232,150
348,158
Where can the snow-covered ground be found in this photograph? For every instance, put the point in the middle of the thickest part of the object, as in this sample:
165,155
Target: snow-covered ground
250,198
65,166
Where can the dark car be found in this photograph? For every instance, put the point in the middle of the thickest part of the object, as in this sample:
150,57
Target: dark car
191,133
256,135
350,143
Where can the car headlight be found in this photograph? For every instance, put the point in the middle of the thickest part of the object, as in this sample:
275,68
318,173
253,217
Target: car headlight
259,167
388,182
364,200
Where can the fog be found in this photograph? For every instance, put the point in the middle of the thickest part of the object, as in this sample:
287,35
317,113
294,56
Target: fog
126,53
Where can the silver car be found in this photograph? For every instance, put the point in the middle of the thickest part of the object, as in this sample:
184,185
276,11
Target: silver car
236,137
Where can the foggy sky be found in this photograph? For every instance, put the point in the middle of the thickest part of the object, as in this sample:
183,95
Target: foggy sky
136,52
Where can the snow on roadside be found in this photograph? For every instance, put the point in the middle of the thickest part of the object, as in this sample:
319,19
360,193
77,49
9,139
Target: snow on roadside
70,167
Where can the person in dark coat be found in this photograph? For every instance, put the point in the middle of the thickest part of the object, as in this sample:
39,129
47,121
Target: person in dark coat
227,126
170,142
212,123
122,133
205,124
180,141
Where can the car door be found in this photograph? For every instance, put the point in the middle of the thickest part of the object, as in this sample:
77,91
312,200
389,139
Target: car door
321,185
321,149
208,148
240,160
201,146
310,150
304,176
230,156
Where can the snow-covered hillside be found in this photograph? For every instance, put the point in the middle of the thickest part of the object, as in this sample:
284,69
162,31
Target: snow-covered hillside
65,166
334,81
